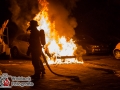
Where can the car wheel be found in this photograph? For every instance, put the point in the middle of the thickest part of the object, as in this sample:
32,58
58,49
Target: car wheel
14,53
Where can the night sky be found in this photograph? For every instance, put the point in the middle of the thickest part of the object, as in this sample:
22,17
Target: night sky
4,11
94,17
98,17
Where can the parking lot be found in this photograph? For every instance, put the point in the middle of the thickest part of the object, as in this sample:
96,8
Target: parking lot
97,72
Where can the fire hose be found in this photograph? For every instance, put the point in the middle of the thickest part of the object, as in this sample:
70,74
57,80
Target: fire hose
73,78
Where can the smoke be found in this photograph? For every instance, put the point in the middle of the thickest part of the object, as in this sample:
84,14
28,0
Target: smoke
23,11
60,12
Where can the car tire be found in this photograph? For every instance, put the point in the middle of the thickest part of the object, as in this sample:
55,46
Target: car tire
14,53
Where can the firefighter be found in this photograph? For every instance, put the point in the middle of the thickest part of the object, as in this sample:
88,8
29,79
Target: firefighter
35,48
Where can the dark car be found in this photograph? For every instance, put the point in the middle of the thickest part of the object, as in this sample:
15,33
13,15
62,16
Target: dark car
92,46
111,41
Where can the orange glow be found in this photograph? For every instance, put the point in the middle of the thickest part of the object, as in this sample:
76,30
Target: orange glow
58,46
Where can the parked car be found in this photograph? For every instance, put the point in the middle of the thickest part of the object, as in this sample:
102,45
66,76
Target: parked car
92,46
20,45
110,40
4,45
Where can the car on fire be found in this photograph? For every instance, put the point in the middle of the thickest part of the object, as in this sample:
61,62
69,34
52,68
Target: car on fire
92,46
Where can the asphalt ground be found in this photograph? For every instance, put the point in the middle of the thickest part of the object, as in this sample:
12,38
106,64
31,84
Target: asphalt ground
96,73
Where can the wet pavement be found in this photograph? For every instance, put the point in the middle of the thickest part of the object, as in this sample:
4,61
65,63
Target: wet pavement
96,73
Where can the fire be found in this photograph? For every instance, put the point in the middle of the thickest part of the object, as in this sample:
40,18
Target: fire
56,45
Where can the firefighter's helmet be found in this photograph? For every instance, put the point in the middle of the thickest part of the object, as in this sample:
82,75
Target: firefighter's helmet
33,23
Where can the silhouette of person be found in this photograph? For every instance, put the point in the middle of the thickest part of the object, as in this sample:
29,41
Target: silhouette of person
35,48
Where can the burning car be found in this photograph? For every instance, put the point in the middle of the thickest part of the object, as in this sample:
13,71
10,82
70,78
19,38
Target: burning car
92,46
58,41
20,45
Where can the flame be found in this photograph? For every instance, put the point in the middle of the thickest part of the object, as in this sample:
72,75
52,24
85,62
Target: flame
57,46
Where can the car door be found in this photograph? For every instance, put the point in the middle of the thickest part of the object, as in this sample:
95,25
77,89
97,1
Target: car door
24,43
